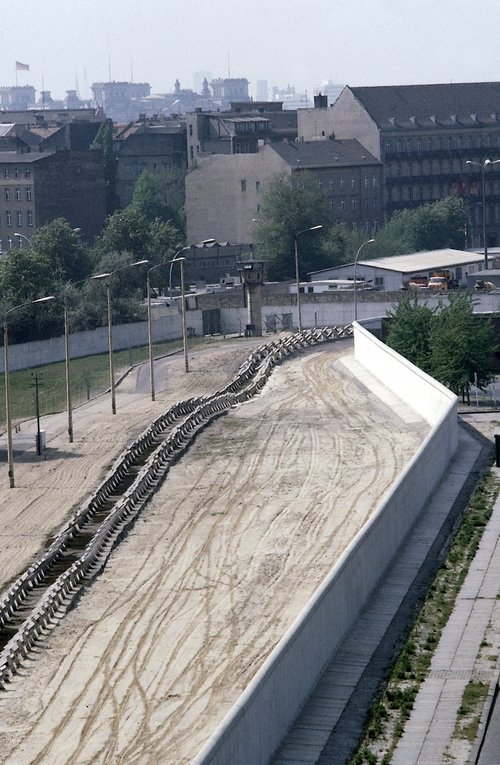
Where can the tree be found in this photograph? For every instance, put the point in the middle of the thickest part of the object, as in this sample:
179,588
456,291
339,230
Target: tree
429,227
462,346
291,205
126,231
59,245
104,139
161,195
410,329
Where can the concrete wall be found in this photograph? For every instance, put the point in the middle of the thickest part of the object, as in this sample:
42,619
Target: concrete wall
258,722
93,342
317,311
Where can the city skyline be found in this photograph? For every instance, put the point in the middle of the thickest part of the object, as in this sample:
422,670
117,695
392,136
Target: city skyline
357,42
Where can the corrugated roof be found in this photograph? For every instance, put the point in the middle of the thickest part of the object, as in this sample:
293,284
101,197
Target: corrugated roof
424,261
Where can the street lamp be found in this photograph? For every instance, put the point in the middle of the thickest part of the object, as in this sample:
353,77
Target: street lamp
110,324
150,330
297,278
22,236
177,257
368,241
182,260
483,165
10,450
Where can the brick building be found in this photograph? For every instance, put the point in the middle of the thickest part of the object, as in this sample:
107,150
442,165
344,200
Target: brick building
36,188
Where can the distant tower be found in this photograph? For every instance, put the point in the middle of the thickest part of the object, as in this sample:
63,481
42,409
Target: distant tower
253,274
262,91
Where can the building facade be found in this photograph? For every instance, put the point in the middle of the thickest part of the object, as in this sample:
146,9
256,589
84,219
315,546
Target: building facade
224,192
432,140
156,144
36,188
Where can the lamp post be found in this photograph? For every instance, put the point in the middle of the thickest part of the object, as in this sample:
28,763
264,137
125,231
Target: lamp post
297,277
8,416
150,331
483,166
368,241
110,324
179,258
22,236
182,260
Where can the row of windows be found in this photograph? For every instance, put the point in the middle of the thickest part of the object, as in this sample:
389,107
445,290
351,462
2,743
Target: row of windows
440,142
352,203
18,216
454,187
434,167
343,183
15,172
17,194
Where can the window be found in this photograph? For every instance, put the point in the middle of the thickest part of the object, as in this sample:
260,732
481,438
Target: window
257,185
332,183
16,172
27,173
341,183
374,181
7,194
8,218
190,130
6,173
366,183
28,194
19,218
18,194
320,184
353,183
353,205
342,205
29,218
243,185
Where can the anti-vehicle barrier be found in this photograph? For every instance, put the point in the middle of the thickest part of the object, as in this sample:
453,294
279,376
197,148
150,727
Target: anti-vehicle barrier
188,419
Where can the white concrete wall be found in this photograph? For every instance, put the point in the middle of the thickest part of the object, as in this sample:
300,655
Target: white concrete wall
258,722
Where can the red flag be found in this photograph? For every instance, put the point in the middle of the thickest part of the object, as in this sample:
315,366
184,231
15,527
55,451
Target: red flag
22,67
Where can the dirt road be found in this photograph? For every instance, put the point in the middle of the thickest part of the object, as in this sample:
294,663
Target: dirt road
232,546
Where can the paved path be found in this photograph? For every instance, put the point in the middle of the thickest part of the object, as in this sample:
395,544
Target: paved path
329,727
429,730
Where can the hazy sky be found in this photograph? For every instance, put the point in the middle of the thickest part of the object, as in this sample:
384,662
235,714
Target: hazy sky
355,42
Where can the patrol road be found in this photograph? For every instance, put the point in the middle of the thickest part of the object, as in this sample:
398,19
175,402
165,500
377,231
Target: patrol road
226,555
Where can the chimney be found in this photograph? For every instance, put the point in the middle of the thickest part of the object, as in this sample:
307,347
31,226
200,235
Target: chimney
320,101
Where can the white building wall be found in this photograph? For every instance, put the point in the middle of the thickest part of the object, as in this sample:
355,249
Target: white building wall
223,193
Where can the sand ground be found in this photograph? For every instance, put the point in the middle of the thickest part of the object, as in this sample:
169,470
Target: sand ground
225,556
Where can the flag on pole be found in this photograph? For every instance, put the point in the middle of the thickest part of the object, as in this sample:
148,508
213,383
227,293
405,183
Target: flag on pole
22,67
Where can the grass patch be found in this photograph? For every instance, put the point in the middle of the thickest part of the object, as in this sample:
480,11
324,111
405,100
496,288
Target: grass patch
469,713
386,720
89,377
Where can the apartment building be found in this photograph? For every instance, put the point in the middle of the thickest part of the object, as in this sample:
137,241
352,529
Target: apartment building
432,141
224,191
36,188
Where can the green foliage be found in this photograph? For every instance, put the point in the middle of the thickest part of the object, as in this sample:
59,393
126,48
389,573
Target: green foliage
104,139
290,206
462,345
431,226
126,231
409,331
53,258
452,344
161,196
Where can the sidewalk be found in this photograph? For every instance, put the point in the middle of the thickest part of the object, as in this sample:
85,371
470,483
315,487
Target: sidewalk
427,739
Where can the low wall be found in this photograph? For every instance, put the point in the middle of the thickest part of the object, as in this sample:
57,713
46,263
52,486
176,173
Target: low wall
260,719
